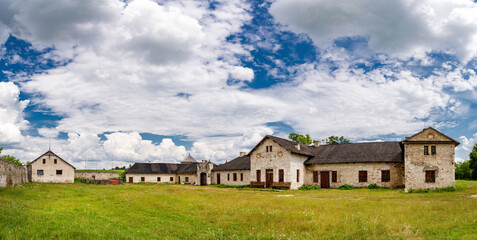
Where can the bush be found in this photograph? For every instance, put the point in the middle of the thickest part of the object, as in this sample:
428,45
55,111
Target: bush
232,186
346,187
308,188
445,189
372,186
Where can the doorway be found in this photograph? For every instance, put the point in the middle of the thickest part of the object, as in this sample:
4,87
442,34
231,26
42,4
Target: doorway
218,178
268,178
203,179
130,179
325,179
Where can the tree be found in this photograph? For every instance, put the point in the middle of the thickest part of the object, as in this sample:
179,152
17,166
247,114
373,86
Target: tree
463,170
299,138
473,162
336,140
9,158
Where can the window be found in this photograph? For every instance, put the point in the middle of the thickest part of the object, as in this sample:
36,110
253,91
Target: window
55,161
426,150
39,172
235,177
334,176
228,176
172,179
430,176
158,179
315,176
241,176
59,172
186,179
363,176
259,173
297,175
385,175
143,179
280,175
269,148
44,161
433,150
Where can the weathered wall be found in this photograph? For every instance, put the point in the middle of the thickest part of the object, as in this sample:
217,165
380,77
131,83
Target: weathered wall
223,177
191,176
278,158
97,175
165,178
205,167
49,170
11,174
348,173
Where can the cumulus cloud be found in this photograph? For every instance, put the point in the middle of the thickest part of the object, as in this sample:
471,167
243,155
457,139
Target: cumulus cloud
468,143
11,113
400,28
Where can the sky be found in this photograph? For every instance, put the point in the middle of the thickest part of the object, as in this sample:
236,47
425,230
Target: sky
109,83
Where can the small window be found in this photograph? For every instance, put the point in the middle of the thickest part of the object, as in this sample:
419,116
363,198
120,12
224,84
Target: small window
44,161
315,176
55,161
363,176
158,179
228,176
426,150
297,175
59,172
143,179
334,176
241,176
267,149
271,149
433,150
280,175
259,175
186,179
39,172
430,176
172,179
385,175
235,177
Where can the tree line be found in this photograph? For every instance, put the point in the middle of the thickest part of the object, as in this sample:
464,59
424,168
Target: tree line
468,169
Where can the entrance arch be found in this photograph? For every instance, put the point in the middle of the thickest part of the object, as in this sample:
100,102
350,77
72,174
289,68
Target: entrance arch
203,179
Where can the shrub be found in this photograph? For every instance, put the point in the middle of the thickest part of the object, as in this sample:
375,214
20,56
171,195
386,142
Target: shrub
444,189
308,188
232,186
372,186
346,187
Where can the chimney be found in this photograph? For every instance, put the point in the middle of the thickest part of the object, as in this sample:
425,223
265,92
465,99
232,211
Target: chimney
242,154
297,146
317,143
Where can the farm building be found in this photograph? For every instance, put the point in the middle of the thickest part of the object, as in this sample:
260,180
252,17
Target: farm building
49,167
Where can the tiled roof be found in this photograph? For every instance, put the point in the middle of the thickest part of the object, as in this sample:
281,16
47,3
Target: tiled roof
239,163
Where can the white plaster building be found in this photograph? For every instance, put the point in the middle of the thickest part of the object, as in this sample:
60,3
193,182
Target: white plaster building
49,167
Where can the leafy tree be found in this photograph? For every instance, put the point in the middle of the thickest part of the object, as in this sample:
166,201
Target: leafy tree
336,140
300,138
9,158
473,162
463,170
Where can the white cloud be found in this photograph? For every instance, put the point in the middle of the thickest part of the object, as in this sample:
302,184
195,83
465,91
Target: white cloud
468,143
11,113
402,28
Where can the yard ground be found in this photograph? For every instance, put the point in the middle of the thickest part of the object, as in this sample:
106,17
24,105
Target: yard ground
149,211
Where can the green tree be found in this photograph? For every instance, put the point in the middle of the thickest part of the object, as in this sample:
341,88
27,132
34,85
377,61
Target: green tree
473,162
9,158
336,140
300,138
463,170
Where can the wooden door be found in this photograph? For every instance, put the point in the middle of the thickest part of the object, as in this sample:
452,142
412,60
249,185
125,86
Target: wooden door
218,178
131,179
269,178
203,179
325,179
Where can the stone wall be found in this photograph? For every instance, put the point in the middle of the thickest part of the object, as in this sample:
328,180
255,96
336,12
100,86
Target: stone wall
348,173
94,175
187,178
12,174
227,177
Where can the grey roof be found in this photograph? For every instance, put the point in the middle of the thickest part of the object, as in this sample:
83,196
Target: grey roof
50,153
387,152
239,163
289,145
189,159
162,168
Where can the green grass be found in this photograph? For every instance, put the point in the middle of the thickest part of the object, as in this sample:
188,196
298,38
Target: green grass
93,170
150,211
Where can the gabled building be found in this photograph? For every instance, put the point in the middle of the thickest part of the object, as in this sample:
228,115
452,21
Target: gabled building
234,172
49,167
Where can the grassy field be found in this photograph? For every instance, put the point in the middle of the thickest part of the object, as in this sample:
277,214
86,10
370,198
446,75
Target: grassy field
148,211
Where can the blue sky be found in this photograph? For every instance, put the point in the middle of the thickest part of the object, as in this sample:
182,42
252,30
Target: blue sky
150,81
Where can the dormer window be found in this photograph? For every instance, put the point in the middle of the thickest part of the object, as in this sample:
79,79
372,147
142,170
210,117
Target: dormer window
426,150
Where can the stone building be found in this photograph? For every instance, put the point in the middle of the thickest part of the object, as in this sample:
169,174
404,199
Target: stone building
49,167
97,175
234,172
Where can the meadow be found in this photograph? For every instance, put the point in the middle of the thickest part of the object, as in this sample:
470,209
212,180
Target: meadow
150,211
